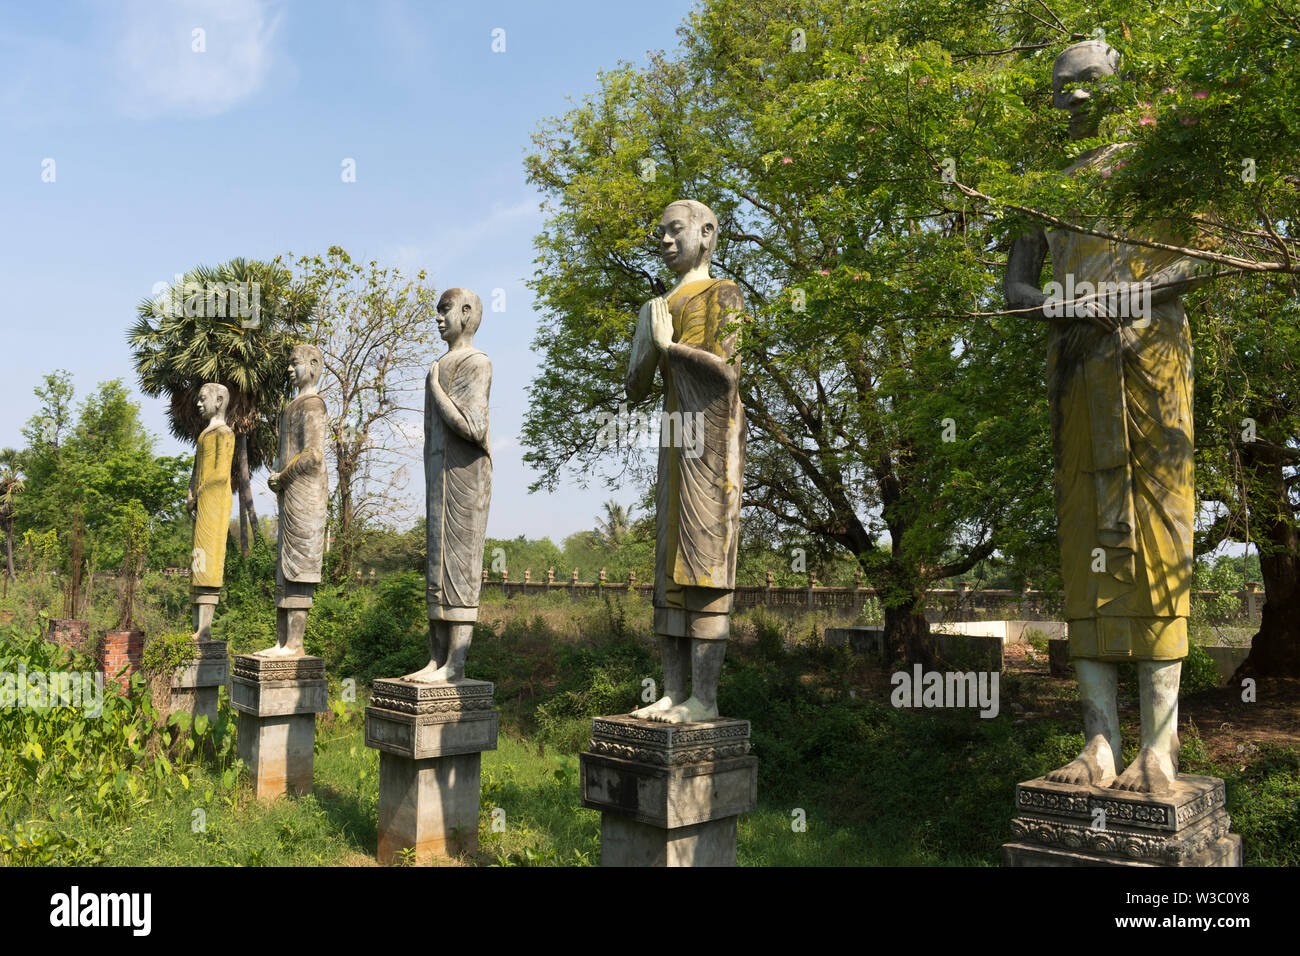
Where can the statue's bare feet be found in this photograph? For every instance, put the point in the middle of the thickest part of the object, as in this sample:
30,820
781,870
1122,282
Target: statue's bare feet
658,707
1152,771
1096,766
430,674
279,650
688,712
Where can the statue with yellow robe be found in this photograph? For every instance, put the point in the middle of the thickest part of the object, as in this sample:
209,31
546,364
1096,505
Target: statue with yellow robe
209,501
701,462
1120,388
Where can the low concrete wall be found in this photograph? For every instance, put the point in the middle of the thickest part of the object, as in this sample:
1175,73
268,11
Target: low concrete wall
1011,632
1226,659
866,640
969,651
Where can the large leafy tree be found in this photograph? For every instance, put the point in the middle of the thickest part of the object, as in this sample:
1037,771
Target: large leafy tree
870,163
877,403
189,335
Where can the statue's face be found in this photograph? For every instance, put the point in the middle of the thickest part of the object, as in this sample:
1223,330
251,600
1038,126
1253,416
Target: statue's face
301,369
453,313
685,242
1075,70
209,402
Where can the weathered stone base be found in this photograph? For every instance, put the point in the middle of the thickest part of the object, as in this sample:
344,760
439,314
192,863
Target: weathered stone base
1066,825
429,806
430,738
195,688
277,699
669,794
196,700
1226,851
628,842
280,753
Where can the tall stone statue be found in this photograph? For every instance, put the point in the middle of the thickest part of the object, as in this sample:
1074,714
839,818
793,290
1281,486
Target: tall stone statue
1121,405
701,462
458,485
209,501
302,488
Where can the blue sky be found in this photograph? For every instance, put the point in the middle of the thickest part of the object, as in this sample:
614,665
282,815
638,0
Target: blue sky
165,158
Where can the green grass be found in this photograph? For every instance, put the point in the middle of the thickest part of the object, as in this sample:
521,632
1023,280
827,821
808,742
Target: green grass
875,785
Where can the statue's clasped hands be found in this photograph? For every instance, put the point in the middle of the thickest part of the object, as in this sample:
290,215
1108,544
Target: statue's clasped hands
661,322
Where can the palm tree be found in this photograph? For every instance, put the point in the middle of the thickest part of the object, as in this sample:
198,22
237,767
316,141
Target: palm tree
11,486
179,342
614,526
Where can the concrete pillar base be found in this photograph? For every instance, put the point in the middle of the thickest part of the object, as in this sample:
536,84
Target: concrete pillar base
430,738
277,699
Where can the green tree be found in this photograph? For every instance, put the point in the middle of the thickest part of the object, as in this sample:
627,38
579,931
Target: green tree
193,332
11,486
614,525
870,164
98,463
876,390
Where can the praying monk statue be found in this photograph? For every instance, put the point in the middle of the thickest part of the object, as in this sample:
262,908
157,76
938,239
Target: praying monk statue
701,461
209,501
458,485
1120,389
299,480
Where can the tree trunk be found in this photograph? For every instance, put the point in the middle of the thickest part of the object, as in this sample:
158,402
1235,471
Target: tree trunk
346,514
1275,650
245,488
908,631
9,555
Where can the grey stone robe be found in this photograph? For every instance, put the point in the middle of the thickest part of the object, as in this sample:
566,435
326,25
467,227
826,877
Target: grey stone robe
458,482
303,499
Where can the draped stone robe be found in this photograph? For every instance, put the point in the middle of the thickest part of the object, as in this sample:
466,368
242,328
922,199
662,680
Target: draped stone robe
304,496
701,461
211,486
458,484
1121,407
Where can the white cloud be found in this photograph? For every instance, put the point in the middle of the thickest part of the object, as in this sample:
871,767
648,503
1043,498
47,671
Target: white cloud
159,72
454,246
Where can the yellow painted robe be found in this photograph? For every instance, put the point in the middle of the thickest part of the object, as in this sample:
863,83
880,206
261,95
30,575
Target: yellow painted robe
211,485
701,463
1122,424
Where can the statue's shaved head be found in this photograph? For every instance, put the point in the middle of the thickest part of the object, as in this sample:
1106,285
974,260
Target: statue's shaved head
467,305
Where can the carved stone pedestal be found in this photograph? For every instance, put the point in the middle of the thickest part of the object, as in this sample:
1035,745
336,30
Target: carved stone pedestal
195,687
1064,825
669,794
430,739
278,699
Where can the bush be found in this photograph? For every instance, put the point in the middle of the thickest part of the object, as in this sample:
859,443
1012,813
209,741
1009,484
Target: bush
392,634
1199,672
67,768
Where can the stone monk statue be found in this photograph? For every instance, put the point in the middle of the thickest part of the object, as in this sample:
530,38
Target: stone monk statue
458,485
303,495
701,462
209,501
1121,405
